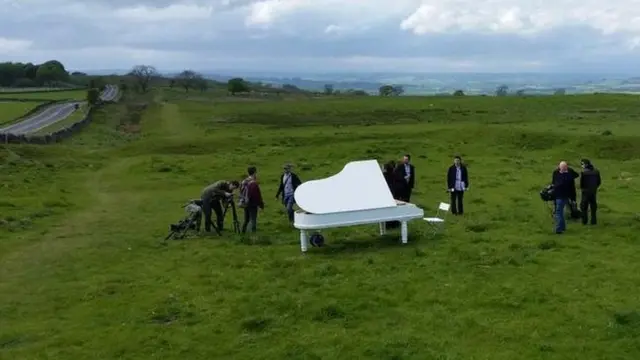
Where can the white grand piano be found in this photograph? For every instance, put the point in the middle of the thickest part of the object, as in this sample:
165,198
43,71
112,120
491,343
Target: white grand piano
357,195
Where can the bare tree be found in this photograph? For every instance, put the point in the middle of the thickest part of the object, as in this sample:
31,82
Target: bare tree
143,75
189,79
502,90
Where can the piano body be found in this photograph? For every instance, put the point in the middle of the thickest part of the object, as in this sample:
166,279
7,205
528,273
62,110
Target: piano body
357,195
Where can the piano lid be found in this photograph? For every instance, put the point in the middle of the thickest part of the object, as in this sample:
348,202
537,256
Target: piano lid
359,186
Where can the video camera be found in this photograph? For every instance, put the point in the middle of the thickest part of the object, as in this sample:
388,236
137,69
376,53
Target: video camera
191,221
548,193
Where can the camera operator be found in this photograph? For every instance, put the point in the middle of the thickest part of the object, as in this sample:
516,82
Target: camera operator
589,183
214,197
563,183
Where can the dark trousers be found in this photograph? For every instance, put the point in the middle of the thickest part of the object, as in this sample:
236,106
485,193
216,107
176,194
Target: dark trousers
588,202
216,206
250,217
404,194
456,202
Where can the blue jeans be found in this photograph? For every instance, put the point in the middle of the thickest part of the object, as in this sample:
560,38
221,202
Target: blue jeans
561,225
288,201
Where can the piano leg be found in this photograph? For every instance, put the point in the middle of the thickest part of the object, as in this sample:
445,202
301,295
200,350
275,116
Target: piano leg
383,228
304,241
404,232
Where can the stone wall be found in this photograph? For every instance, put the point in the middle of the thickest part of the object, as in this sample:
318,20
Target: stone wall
52,138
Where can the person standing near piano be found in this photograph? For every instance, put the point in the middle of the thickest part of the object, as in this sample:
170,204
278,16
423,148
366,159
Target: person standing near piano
405,178
289,182
252,200
457,184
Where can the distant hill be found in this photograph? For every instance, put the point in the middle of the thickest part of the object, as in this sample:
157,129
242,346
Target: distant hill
437,83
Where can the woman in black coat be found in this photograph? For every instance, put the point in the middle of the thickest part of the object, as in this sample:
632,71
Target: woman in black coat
389,177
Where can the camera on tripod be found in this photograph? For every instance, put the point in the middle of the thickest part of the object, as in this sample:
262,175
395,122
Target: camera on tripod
191,222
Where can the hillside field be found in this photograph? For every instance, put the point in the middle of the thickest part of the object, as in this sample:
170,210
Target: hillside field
48,95
11,110
85,274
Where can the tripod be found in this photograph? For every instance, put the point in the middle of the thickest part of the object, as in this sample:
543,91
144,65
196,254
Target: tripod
228,204
234,213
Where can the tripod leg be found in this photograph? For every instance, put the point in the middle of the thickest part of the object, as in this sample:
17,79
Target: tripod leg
186,229
215,227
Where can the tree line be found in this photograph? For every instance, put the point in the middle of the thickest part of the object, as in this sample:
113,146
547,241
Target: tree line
21,75
140,78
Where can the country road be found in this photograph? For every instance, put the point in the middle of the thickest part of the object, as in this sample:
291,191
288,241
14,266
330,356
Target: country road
110,93
54,113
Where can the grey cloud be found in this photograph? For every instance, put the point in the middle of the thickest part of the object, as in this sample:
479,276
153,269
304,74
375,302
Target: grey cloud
224,38
388,42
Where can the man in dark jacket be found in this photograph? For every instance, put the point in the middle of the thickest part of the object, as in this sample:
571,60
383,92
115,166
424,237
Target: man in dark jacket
213,198
574,211
590,181
573,193
289,182
563,181
254,201
404,178
457,184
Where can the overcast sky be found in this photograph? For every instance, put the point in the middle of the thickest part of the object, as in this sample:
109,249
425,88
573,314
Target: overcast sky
327,35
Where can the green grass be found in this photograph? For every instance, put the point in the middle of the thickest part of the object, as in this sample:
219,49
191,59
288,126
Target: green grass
11,110
64,123
32,89
86,276
50,95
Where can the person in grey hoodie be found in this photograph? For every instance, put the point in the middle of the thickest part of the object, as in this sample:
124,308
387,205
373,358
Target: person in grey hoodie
289,182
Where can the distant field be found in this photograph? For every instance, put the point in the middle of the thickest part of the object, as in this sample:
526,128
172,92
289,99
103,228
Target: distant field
9,111
53,95
26,90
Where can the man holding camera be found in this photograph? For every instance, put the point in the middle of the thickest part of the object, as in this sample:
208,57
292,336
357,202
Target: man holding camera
213,198
589,183
563,185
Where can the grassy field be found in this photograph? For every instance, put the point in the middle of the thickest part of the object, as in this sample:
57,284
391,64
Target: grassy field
27,90
85,274
66,122
11,110
50,95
